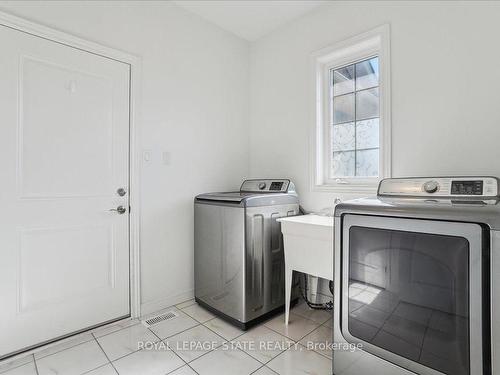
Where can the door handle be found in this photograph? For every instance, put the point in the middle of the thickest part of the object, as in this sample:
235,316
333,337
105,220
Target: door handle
120,210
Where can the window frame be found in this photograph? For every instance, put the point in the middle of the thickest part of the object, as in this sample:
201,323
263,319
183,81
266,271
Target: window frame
361,47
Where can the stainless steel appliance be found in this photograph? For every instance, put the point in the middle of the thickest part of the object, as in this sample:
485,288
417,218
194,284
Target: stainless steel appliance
238,250
417,279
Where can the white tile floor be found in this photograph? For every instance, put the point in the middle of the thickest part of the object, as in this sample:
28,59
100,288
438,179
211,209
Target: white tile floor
194,342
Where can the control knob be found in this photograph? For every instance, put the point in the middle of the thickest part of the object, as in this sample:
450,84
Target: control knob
431,187
262,185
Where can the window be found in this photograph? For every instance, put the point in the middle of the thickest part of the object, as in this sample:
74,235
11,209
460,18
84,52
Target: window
354,120
352,129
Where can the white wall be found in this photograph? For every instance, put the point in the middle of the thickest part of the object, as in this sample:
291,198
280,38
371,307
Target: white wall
445,89
194,106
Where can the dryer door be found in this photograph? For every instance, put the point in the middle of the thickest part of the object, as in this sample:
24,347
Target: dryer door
411,292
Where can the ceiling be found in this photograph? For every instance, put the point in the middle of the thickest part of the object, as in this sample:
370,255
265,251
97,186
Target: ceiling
249,20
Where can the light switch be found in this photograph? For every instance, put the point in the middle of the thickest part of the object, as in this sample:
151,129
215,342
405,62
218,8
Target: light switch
147,156
165,157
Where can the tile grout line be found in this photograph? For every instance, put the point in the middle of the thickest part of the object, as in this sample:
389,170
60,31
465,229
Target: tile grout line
230,341
281,351
5,370
36,366
101,366
151,331
184,330
238,349
69,347
315,351
253,372
118,330
192,317
156,341
178,356
40,349
268,368
196,372
93,337
134,351
290,338
210,351
12,368
182,308
304,317
314,330
111,363
284,351
255,359
296,343
217,347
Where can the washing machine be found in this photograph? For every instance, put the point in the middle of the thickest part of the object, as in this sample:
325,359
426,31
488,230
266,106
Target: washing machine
238,250
417,279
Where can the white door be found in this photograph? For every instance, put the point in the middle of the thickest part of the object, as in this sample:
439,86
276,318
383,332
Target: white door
64,150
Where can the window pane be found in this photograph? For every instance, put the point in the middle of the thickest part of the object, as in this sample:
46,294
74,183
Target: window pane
367,163
367,134
343,108
367,104
367,74
343,137
343,164
343,80
355,119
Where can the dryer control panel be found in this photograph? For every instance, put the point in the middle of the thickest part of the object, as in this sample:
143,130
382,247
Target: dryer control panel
441,187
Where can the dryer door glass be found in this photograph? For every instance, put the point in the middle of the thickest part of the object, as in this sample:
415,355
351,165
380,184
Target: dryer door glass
409,295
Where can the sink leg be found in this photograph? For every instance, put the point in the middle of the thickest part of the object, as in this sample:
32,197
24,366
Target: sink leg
288,293
313,282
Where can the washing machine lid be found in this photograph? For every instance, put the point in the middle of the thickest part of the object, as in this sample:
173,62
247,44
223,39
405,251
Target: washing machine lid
229,197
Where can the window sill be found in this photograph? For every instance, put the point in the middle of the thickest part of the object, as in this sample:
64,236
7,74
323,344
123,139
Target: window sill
369,189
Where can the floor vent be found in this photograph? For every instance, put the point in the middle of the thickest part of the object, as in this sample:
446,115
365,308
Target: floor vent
160,318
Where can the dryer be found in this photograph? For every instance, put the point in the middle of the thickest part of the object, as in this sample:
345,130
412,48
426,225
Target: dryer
417,279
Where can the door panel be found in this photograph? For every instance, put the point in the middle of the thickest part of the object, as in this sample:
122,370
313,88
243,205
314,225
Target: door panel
71,154
89,266
64,151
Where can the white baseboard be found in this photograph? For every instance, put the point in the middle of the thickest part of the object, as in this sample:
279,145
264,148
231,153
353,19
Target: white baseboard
163,303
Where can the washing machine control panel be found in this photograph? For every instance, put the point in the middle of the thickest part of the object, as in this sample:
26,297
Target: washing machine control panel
441,187
266,186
